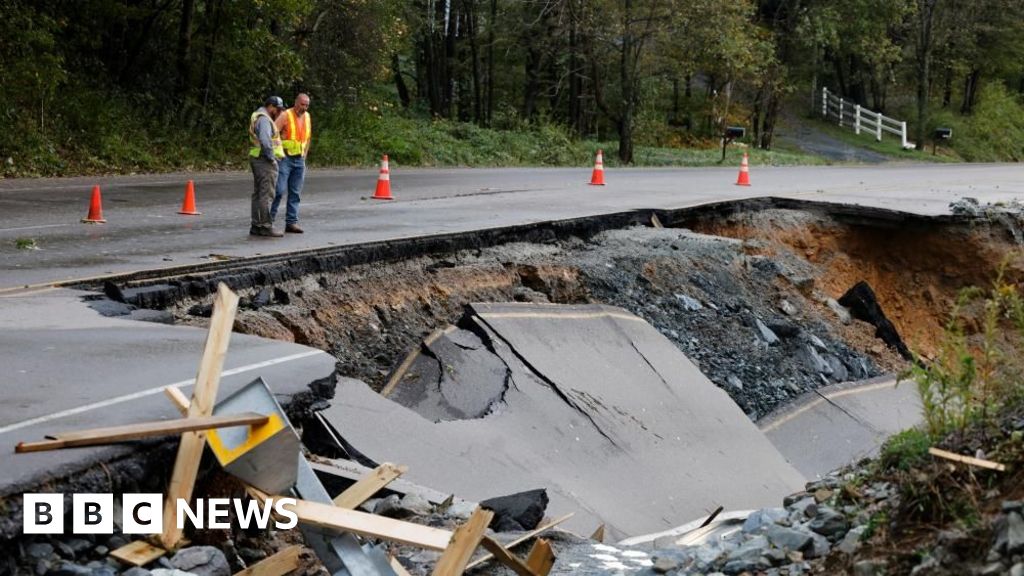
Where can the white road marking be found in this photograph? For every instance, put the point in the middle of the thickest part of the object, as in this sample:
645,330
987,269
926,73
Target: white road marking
32,227
152,391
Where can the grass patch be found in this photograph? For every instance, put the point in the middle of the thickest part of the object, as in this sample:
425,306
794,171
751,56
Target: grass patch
889,146
26,244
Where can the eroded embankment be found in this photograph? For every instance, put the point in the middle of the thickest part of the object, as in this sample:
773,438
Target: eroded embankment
747,298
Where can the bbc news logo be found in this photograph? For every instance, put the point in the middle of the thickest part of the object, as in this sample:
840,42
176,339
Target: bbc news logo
144,513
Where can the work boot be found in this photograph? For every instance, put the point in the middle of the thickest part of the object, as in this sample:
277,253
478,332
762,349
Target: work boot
293,228
268,232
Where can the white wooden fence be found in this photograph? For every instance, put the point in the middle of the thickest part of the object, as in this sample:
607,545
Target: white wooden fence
861,119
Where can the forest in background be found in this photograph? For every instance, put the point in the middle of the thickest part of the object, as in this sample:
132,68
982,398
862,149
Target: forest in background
143,85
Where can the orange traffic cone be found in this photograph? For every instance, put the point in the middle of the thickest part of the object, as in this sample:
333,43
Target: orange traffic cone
95,208
597,178
188,206
383,191
744,179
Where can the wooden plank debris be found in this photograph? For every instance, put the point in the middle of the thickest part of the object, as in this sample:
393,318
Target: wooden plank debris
178,398
398,568
463,543
598,534
279,564
354,471
368,525
967,459
114,434
531,534
138,553
501,554
204,395
656,222
541,558
369,485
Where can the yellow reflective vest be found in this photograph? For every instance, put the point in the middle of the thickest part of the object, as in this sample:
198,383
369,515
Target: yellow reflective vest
297,135
254,139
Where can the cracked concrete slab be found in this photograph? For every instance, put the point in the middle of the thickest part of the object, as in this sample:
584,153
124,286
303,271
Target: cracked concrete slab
454,377
839,424
600,409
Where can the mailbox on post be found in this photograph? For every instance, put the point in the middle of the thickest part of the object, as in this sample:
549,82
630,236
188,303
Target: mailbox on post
734,132
731,133
940,134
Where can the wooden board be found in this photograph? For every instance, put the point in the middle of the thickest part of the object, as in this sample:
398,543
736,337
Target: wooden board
178,398
368,525
398,568
463,543
354,471
204,395
541,558
101,436
501,554
279,564
531,534
967,459
138,553
369,485
598,534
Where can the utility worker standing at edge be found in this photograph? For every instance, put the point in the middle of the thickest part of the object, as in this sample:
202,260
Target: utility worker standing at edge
296,127
265,150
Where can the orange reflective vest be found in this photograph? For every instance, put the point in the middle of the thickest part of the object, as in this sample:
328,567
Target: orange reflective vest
296,133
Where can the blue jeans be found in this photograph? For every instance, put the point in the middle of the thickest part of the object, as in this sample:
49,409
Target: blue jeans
291,173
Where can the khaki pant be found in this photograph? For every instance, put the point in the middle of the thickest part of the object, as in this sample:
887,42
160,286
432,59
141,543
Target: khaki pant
264,174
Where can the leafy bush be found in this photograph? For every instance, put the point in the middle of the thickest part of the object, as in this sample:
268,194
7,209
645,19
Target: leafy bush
993,132
978,368
904,450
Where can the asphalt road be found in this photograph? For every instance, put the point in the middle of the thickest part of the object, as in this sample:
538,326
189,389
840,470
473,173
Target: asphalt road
145,232
65,367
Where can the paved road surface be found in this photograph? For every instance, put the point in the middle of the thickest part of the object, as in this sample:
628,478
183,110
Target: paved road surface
835,425
144,231
65,367
59,356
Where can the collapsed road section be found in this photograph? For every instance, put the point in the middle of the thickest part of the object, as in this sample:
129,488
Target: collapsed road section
619,363
589,402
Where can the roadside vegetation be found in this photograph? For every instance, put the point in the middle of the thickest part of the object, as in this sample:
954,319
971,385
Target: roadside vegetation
946,517
97,86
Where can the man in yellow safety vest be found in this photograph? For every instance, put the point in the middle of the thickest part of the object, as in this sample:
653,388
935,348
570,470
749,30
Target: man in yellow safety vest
265,151
296,127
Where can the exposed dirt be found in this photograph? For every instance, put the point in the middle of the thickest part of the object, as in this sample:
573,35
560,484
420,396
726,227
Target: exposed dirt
916,271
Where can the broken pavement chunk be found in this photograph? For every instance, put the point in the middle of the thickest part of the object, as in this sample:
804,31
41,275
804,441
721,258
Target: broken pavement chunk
517,512
863,305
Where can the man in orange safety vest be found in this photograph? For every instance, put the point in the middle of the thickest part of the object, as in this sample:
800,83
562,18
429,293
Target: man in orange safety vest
296,127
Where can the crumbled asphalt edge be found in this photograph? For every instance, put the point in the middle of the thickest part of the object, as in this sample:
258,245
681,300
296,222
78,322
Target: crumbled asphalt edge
162,289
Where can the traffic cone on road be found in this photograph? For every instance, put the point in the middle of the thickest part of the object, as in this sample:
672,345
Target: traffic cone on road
188,206
95,208
383,191
597,178
744,179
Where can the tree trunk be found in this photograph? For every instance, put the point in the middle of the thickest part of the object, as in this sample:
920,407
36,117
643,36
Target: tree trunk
627,78
185,46
491,25
216,7
474,50
947,88
403,90
970,91
926,13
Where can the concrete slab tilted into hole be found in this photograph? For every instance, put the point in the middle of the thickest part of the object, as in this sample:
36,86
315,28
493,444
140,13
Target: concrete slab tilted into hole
600,409
840,424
